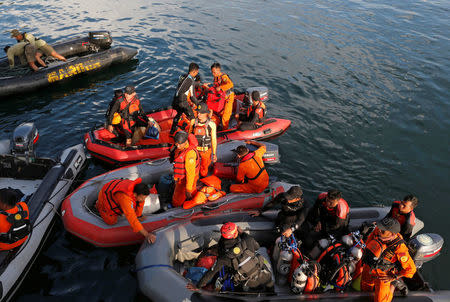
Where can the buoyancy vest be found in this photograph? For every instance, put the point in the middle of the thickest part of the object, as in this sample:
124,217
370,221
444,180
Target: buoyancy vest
216,100
19,223
259,111
127,109
179,169
246,263
119,185
381,255
335,271
341,210
251,156
202,132
409,218
218,81
212,188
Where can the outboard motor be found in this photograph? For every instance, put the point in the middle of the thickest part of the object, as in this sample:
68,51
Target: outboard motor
25,136
425,247
263,93
101,39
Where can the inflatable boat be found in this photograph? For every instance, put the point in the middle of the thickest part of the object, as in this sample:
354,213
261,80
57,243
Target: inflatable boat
177,248
84,56
81,218
44,182
102,144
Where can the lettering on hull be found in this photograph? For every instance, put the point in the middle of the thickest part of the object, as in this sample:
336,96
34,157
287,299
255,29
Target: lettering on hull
71,70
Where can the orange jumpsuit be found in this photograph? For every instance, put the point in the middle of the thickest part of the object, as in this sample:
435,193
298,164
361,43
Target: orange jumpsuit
251,168
186,173
122,197
5,226
398,254
224,82
207,143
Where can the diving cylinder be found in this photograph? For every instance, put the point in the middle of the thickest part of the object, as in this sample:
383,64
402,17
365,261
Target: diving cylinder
284,262
321,245
276,250
299,280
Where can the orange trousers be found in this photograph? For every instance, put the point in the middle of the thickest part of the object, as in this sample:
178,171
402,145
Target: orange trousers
384,292
247,188
179,194
205,161
227,111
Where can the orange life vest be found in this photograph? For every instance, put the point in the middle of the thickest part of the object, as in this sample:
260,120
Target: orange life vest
202,132
179,169
119,185
127,109
409,218
341,210
381,255
220,80
251,156
14,226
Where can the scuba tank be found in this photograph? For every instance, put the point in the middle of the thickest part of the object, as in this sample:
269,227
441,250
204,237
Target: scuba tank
276,250
305,278
288,254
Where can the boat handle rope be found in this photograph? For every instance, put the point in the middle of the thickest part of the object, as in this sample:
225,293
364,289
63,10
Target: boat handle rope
152,266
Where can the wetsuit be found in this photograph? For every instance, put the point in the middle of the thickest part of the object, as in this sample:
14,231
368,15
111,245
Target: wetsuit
184,94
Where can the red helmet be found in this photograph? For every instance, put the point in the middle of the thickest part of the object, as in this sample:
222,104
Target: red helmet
229,230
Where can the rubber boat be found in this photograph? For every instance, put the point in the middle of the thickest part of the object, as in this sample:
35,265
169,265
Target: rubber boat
101,143
81,218
84,56
161,266
45,182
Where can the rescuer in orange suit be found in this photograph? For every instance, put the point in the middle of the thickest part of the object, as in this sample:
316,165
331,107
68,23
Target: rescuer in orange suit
14,219
252,175
223,82
205,133
186,167
386,259
124,196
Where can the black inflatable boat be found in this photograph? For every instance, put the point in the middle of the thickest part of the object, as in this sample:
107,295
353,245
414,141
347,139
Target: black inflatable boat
84,55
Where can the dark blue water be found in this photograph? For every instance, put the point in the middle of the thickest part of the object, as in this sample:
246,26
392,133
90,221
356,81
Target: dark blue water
366,84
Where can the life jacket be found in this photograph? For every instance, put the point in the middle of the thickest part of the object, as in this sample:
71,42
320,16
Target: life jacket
247,264
119,185
19,224
218,81
336,273
215,100
409,218
179,169
25,38
259,111
381,255
202,132
127,109
341,210
251,156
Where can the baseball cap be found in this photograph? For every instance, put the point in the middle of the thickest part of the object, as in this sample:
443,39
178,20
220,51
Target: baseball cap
389,224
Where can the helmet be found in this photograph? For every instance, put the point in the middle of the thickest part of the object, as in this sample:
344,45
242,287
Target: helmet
229,230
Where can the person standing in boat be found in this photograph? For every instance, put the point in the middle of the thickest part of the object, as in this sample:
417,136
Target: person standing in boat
14,219
386,259
205,132
26,53
254,117
41,46
251,175
132,115
403,211
238,252
186,167
328,216
185,94
124,197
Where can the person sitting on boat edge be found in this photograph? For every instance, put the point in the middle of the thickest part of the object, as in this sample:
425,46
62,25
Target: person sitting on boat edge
294,210
14,219
251,175
328,216
26,53
184,95
205,132
186,167
403,211
238,252
254,117
41,46
124,196
386,259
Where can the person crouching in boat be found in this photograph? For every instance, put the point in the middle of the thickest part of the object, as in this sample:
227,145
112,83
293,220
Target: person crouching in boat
41,46
205,133
386,259
26,53
127,197
186,167
254,115
251,175
238,252
14,220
